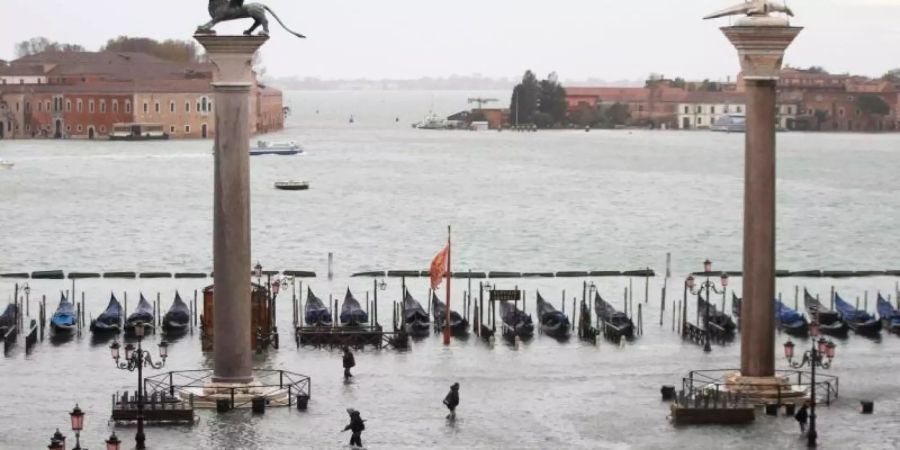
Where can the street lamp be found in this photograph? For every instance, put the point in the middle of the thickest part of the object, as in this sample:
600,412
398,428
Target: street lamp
57,441
27,290
382,286
708,285
77,417
135,360
815,357
113,443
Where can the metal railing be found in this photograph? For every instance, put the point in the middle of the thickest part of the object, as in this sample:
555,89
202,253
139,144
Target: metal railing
701,382
192,384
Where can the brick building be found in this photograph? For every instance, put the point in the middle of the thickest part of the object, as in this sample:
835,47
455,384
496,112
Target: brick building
83,94
653,106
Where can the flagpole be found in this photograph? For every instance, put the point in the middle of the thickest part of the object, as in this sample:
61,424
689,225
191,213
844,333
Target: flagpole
448,272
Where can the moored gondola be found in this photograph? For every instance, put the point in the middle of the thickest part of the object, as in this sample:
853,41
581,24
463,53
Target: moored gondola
736,304
143,315
351,313
8,318
716,318
110,320
829,321
63,320
860,321
515,322
459,326
316,314
615,323
553,322
178,318
415,319
890,317
790,321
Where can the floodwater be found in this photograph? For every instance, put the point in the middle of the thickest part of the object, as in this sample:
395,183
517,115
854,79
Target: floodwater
382,195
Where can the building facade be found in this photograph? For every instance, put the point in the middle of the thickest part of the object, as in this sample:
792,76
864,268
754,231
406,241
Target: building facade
700,110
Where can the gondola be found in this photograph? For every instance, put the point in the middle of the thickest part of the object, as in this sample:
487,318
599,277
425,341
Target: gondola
459,326
515,321
63,320
143,314
8,319
316,314
829,321
617,322
716,318
553,322
790,321
178,318
351,313
110,320
860,321
736,304
415,319
888,315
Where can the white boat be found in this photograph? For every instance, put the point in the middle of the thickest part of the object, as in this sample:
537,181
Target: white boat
730,123
432,122
275,148
6,165
138,132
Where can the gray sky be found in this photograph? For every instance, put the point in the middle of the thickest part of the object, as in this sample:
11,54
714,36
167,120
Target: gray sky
622,39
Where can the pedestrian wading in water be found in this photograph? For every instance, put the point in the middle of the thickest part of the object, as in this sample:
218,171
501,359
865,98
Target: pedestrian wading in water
356,427
349,363
802,416
451,401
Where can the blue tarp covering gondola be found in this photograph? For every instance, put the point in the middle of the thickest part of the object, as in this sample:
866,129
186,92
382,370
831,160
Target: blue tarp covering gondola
888,315
415,318
458,324
178,318
143,314
351,313
553,322
64,317
858,320
790,320
612,318
316,314
110,320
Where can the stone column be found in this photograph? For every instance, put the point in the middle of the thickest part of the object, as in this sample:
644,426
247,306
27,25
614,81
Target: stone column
761,43
232,81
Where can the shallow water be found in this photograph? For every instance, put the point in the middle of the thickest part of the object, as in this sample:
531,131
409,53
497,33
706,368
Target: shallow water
382,195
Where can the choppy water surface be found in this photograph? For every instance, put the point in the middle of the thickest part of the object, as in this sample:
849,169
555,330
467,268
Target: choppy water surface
382,195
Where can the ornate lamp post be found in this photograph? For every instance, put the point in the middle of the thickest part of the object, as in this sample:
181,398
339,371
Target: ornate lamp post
814,358
135,360
708,285
27,290
382,286
257,271
57,441
77,417
113,443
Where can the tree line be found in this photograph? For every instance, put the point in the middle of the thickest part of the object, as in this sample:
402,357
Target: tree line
173,50
542,103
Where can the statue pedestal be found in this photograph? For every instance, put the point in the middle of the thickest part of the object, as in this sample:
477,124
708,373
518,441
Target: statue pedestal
761,46
240,395
764,390
232,81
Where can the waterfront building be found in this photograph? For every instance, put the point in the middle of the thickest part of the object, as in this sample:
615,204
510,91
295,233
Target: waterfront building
700,110
84,94
652,106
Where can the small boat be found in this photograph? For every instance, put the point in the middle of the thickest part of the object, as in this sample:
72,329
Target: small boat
275,148
790,321
138,132
63,320
829,321
178,318
515,321
553,322
860,321
292,185
888,315
730,123
415,319
351,313
110,320
8,318
459,326
612,319
143,314
316,314
431,122
6,165
717,318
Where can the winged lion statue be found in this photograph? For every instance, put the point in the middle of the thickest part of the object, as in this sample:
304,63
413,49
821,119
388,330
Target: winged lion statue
226,10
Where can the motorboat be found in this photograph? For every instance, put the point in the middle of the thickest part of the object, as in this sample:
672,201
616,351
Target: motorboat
292,185
276,148
432,122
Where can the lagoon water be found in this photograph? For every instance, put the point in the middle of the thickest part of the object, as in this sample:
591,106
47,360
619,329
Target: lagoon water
382,195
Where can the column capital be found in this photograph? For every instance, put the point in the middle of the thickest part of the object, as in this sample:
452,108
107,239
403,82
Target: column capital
232,56
761,48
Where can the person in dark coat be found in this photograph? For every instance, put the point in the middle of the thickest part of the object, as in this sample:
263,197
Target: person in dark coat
451,401
356,427
349,363
802,416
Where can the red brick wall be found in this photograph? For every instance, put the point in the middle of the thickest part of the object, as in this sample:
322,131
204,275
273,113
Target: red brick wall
100,121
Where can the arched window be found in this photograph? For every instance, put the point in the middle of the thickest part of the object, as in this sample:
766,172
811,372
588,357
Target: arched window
115,106
146,107
187,106
79,105
156,107
91,106
172,107
68,105
205,105
128,106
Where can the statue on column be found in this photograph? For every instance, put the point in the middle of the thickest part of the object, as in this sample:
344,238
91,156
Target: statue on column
226,10
753,8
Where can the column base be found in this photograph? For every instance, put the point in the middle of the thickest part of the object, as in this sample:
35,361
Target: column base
241,394
764,390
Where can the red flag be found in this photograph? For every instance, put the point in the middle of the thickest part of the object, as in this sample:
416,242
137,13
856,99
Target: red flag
439,267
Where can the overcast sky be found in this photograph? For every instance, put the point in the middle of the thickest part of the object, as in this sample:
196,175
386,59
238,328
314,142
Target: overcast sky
607,39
